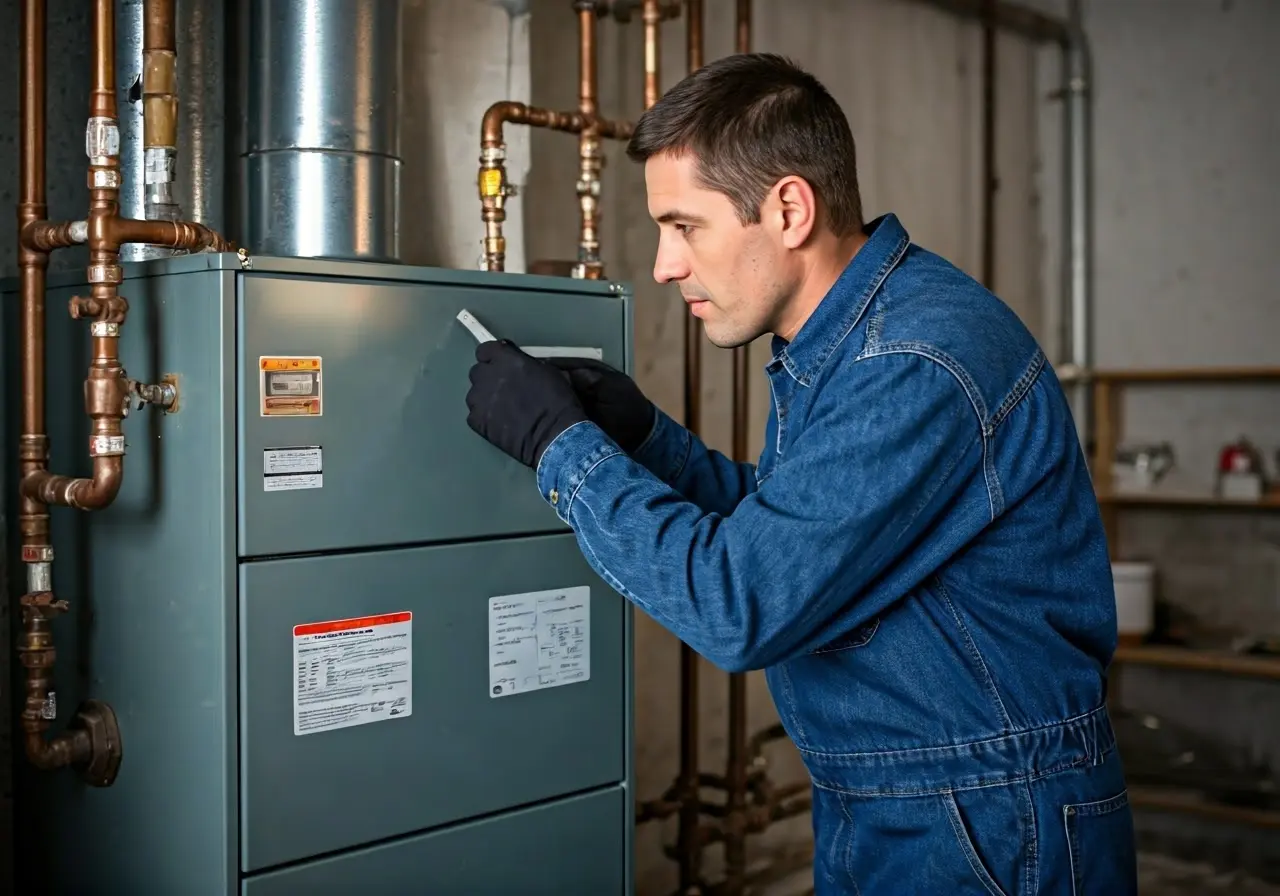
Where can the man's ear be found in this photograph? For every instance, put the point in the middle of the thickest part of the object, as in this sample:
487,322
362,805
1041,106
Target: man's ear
796,209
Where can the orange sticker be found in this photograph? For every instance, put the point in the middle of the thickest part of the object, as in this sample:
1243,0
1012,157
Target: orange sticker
291,386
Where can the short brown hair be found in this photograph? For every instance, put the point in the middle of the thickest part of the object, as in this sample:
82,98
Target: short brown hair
751,119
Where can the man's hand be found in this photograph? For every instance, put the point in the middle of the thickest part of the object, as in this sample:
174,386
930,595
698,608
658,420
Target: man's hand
611,399
519,403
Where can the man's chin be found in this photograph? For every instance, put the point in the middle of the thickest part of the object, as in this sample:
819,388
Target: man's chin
721,337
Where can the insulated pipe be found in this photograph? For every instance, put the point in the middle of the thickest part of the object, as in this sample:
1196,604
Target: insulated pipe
322,155
1078,226
91,742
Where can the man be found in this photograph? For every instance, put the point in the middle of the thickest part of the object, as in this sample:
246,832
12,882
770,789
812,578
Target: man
917,560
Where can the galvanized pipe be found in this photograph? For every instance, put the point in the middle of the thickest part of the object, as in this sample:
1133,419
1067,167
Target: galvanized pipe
321,163
1077,126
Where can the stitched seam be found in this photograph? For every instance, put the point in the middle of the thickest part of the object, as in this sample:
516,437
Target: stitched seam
1020,388
977,654
573,493
1032,876
924,751
995,495
823,355
972,647
653,432
852,644
537,472
789,693
848,846
951,787
1068,829
777,412
892,261
684,458
966,845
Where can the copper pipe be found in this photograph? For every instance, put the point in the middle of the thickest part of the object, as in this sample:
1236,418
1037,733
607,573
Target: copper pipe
492,182
693,34
590,266
159,108
738,820
91,742
652,19
688,840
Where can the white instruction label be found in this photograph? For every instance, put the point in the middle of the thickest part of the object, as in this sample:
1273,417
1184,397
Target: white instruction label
563,351
352,671
287,469
539,640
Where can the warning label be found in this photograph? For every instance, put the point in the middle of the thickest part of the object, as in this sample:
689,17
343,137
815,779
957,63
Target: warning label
540,639
290,386
352,672
286,469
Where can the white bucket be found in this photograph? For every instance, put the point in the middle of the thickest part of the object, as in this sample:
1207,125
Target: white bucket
1135,599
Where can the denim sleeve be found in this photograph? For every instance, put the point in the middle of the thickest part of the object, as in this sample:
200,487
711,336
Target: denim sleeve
706,477
887,450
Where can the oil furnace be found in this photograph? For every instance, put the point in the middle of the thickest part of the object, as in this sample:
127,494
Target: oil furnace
348,647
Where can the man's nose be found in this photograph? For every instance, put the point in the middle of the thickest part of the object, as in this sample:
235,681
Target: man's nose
669,264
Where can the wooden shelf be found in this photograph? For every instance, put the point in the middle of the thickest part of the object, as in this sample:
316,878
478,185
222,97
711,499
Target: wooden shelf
1172,375
1176,800
1188,500
1219,661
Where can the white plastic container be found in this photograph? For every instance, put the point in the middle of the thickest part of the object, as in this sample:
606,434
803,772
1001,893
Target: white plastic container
1135,600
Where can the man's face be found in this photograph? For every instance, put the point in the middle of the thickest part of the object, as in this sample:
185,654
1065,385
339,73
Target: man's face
735,278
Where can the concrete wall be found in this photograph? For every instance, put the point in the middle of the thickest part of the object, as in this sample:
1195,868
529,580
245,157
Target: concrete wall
1186,191
909,78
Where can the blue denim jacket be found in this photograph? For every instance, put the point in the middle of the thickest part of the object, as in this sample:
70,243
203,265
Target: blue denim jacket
917,559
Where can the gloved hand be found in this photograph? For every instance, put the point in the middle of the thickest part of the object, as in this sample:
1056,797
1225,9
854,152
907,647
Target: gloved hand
611,399
519,403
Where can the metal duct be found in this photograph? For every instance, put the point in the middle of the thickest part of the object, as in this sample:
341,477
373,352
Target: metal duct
199,183
322,141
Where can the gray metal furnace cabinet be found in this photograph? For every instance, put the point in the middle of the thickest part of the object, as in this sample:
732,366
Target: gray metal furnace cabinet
350,648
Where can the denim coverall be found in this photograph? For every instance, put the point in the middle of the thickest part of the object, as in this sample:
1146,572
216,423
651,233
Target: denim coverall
918,563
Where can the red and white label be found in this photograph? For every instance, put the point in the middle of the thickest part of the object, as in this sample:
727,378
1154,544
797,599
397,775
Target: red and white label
352,672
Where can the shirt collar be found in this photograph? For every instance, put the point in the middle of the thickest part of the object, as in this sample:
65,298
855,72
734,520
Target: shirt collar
844,304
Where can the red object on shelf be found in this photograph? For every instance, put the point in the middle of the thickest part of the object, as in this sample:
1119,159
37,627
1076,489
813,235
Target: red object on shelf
1238,457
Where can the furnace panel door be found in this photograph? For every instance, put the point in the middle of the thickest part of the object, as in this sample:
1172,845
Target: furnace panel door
355,434
577,847
326,649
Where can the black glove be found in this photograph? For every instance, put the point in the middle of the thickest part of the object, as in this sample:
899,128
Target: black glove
611,399
519,403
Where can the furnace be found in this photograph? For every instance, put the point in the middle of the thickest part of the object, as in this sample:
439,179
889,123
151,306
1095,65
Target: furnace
348,646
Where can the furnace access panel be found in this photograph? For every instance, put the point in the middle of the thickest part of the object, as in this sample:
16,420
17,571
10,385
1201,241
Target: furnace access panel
434,691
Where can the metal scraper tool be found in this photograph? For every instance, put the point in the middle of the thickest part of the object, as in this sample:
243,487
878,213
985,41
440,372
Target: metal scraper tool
477,329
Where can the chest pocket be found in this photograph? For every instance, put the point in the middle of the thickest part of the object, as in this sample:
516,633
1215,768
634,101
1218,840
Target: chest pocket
859,637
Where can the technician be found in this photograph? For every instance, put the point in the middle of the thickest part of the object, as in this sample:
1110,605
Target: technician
917,560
